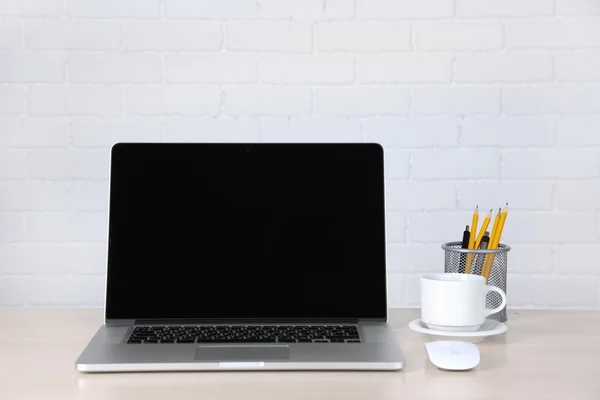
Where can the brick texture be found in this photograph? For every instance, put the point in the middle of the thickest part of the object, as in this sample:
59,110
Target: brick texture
363,37
475,102
269,36
11,34
306,10
458,36
171,36
404,9
504,8
114,8
210,68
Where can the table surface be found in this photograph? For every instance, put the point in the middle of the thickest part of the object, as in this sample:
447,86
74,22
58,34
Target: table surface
543,355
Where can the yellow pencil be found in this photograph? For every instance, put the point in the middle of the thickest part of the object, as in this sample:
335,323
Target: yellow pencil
489,257
474,228
484,227
472,239
495,228
494,244
501,227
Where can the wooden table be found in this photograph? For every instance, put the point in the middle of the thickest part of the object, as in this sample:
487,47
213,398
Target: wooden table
544,355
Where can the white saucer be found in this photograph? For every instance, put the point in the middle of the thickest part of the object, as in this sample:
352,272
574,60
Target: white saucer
490,327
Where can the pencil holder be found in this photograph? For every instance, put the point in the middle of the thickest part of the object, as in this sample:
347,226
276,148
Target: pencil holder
488,263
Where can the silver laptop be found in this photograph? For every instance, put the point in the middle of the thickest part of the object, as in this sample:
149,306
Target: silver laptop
245,257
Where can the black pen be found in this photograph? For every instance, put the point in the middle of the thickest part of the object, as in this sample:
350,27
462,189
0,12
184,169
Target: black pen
466,237
465,245
485,240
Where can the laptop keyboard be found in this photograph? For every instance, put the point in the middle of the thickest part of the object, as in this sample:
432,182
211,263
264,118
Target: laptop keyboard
245,334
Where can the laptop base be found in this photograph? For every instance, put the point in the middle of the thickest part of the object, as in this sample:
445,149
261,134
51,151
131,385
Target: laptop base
109,352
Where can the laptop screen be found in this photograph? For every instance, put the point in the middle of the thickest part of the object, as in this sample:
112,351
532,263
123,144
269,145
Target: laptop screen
249,231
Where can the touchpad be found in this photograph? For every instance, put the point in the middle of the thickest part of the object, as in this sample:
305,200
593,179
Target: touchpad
242,353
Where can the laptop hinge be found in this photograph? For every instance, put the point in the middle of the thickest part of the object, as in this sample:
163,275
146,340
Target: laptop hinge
185,321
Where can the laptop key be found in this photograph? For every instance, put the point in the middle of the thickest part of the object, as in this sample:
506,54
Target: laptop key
136,341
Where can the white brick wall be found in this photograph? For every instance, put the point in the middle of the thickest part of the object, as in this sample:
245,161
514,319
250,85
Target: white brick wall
456,100
11,34
504,8
476,102
72,34
157,35
457,36
33,67
282,37
218,10
323,69
179,100
114,8
570,33
210,68
505,67
115,68
409,68
403,9
362,37
32,8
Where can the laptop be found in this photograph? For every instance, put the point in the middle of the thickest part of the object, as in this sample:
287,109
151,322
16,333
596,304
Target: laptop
245,256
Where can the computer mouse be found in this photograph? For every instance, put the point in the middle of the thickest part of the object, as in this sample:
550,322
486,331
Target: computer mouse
453,355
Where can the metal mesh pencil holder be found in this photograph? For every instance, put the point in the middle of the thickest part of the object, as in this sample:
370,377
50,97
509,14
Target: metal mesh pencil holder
457,259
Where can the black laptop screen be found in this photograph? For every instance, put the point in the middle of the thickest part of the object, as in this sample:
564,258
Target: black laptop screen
249,231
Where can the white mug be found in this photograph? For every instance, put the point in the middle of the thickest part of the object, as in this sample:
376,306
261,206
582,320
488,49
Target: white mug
456,302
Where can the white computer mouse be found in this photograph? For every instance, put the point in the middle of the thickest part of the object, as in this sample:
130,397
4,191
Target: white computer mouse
453,355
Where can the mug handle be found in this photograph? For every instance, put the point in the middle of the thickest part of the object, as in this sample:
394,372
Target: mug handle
490,311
